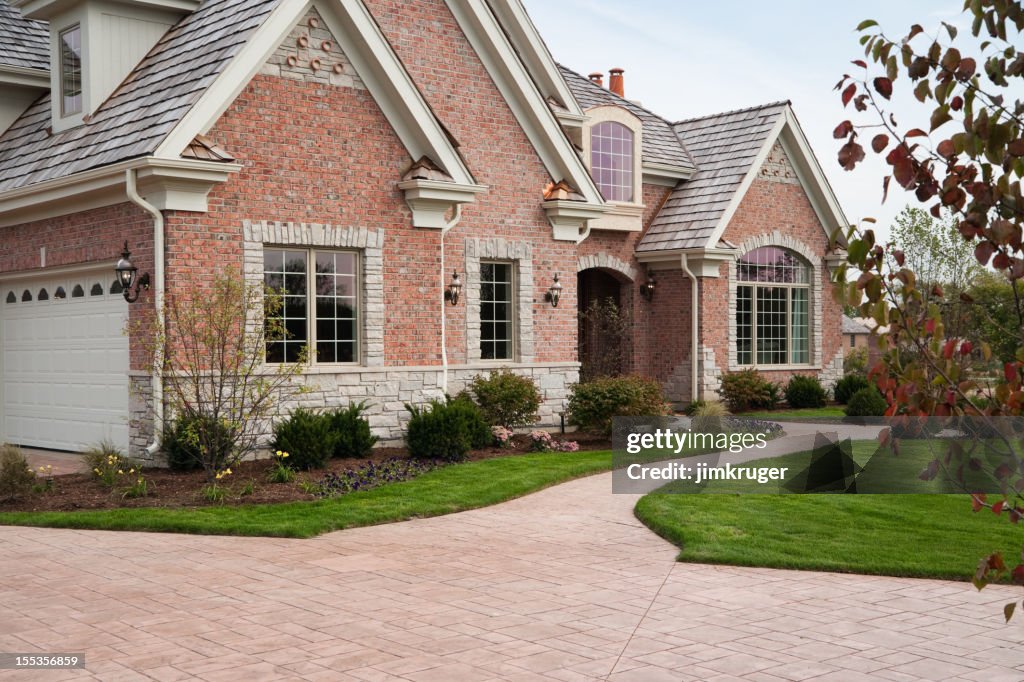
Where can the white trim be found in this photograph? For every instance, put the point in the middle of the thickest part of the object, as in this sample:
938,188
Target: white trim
430,200
664,175
513,80
62,270
569,219
25,77
173,183
530,46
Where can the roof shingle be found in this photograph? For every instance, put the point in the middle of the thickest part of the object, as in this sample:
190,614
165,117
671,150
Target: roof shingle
661,145
723,146
23,43
144,109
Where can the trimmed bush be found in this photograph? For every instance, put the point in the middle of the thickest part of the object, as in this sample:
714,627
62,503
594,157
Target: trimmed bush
181,441
867,402
748,390
848,385
352,431
803,391
446,430
593,404
308,437
16,476
506,399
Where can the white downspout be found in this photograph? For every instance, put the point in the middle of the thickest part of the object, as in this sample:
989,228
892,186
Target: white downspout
444,341
693,327
158,300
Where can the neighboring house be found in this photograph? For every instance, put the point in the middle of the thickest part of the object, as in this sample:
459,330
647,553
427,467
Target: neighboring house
855,333
357,152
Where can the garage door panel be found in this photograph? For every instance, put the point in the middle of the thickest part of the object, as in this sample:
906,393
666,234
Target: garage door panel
64,365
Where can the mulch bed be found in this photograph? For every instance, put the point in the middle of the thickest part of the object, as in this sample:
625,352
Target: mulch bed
175,489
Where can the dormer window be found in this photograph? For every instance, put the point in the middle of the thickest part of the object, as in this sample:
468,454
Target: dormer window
611,160
71,71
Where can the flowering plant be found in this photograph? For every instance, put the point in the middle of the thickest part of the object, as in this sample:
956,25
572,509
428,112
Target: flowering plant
542,441
502,436
280,472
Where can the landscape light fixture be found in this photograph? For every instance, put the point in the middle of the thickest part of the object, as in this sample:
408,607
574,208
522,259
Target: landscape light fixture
451,294
554,293
126,276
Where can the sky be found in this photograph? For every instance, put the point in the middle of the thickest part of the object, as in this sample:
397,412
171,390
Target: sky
691,58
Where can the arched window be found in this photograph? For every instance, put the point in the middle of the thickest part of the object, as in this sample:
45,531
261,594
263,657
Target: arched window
611,160
78,291
115,287
43,295
60,293
772,308
26,295
11,298
97,289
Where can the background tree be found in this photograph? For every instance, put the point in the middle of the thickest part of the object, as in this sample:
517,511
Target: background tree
965,156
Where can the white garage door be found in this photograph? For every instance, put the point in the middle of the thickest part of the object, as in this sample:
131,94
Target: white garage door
64,362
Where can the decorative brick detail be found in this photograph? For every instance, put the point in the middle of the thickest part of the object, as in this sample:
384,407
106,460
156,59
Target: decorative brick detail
777,168
520,253
311,54
786,241
605,261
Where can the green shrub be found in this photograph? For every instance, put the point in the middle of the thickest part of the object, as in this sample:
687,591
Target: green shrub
803,391
16,476
446,430
694,406
307,437
352,431
867,402
506,399
710,408
182,442
748,390
856,362
593,405
848,385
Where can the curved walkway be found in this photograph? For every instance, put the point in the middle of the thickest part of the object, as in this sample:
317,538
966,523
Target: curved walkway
561,585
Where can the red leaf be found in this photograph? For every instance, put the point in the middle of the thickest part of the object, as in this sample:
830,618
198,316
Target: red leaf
983,252
879,143
883,86
966,347
848,93
916,132
1010,371
1018,575
948,348
929,327
978,501
899,256
946,149
957,103
997,508
842,130
850,154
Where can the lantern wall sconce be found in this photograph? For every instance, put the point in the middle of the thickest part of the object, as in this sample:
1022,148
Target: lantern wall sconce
126,276
451,294
647,288
554,293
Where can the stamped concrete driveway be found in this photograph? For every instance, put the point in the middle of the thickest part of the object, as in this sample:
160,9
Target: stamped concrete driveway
561,585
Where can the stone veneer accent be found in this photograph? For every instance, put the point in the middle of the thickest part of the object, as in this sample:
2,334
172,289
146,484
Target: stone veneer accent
776,238
777,168
369,243
319,60
140,416
606,261
519,253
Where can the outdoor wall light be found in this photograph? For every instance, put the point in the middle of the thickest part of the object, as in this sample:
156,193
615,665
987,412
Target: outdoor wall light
647,289
554,293
451,294
126,273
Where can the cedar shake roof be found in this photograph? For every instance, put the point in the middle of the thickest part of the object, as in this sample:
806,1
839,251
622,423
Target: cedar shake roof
137,117
724,146
23,43
661,145
854,326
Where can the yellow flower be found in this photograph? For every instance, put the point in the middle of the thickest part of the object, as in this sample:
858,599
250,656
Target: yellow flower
120,472
280,454
96,471
131,471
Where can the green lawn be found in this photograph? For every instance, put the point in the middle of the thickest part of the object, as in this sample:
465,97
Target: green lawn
442,491
830,412
916,535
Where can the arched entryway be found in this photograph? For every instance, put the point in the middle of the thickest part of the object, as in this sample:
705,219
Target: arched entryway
605,322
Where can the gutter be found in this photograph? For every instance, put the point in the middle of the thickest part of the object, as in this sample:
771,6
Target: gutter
693,325
158,300
444,341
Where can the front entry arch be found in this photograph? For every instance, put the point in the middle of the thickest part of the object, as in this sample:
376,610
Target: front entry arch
604,323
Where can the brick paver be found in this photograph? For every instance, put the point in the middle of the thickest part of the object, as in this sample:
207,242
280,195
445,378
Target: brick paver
561,585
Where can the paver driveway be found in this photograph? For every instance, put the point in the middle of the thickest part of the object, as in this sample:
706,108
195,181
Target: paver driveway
561,585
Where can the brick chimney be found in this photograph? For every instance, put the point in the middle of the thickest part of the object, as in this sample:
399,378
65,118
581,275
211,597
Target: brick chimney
597,77
615,83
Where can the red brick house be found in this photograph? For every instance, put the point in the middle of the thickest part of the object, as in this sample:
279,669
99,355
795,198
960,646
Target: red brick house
355,153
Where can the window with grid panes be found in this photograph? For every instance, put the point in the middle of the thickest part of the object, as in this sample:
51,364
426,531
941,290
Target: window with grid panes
320,304
496,311
772,308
